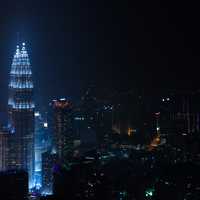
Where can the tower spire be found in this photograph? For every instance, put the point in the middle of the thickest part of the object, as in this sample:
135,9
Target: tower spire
18,38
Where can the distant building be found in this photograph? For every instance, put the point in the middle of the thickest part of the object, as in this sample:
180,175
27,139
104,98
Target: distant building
90,107
4,136
83,130
179,115
48,161
63,135
179,120
132,116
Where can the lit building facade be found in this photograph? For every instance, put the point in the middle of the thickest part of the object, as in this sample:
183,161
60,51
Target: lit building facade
21,114
48,162
60,139
180,116
62,126
41,145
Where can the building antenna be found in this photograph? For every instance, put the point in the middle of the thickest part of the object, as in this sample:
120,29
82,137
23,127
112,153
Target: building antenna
18,38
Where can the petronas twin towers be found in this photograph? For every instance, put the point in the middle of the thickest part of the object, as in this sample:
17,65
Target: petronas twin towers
21,114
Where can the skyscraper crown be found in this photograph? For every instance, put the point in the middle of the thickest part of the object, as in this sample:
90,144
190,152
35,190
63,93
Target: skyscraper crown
21,80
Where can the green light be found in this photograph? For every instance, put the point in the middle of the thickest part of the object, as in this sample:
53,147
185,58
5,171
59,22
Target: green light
123,194
149,192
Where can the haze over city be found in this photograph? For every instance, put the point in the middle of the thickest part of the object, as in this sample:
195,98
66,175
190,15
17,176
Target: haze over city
99,100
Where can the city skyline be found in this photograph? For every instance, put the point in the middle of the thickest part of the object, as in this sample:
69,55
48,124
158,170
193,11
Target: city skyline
90,52
99,100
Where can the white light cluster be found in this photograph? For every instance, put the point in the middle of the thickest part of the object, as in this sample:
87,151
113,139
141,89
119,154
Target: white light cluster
23,105
20,79
20,72
21,63
45,125
79,118
37,114
165,99
21,85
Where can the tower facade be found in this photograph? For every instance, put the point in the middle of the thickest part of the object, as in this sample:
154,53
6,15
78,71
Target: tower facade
62,126
21,113
41,145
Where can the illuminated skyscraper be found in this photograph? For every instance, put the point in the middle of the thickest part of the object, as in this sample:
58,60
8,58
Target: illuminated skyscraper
62,127
21,113
41,145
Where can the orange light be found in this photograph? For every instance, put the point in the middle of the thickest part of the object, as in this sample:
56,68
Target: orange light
130,131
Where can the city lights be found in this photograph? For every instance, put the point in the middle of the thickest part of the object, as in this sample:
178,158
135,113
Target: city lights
99,100
45,125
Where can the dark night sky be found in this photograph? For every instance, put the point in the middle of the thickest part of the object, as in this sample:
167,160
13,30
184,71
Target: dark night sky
117,44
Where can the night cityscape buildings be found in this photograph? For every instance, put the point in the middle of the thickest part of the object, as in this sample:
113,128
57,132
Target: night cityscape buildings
111,107
113,146
118,145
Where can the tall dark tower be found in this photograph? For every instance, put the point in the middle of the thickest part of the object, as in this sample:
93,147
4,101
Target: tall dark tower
21,114
62,127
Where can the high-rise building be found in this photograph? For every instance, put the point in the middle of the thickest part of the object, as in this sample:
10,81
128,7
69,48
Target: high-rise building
180,114
21,114
3,149
41,145
48,161
62,126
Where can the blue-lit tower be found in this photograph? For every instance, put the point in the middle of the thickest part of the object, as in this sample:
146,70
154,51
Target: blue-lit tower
41,145
21,114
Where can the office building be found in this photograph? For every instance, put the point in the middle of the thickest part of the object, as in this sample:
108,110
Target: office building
62,127
48,161
41,145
